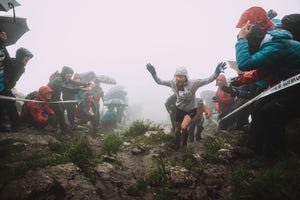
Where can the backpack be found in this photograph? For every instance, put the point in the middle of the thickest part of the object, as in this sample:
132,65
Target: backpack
25,114
54,75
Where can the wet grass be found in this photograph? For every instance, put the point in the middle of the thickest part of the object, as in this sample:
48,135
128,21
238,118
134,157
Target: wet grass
80,153
111,143
156,178
280,181
189,162
212,146
138,128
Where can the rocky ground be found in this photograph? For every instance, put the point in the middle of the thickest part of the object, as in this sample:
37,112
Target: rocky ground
43,165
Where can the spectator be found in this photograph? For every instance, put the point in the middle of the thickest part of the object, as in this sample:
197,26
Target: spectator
197,121
97,94
37,113
86,111
170,105
109,119
223,100
12,74
271,114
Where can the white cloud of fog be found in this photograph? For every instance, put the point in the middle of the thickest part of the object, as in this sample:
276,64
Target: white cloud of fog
118,37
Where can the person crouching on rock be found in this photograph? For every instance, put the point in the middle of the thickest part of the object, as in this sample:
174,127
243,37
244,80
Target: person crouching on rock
37,112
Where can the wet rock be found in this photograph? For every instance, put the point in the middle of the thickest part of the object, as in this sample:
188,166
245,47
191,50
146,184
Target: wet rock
138,150
57,182
108,158
180,176
215,175
104,170
149,133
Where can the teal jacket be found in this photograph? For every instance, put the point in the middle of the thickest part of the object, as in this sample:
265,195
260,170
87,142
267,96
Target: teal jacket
279,55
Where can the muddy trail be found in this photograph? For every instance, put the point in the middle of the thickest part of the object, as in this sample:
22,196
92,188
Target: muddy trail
138,162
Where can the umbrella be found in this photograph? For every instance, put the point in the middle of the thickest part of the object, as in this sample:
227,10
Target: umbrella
115,92
6,5
14,28
86,77
116,102
105,79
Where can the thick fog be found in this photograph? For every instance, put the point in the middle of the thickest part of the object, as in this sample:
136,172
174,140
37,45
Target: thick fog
119,37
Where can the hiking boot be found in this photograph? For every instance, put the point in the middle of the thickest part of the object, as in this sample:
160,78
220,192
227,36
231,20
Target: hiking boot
177,140
198,138
184,137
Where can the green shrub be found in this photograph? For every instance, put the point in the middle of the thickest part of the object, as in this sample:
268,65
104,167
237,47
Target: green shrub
166,194
79,153
136,189
212,145
137,128
158,176
280,181
111,143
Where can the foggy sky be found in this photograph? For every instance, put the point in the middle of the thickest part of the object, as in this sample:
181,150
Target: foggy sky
119,37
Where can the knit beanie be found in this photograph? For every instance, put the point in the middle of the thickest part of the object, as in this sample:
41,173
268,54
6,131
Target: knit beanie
181,71
256,15
66,70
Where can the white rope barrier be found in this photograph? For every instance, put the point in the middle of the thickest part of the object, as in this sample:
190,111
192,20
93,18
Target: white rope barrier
294,80
32,100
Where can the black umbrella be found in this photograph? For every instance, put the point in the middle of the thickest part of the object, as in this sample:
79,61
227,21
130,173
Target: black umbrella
86,77
14,28
6,5
116,102
106,79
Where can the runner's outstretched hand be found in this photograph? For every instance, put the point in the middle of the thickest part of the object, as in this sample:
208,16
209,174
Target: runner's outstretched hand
220,67
151,69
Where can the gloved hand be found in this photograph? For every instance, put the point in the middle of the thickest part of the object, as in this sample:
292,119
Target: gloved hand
232,91
220,67
151,69
215,99
234,82
206,115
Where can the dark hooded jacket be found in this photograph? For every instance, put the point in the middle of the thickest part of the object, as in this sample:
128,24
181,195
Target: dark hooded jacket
14,71
59,84
279,55
5,61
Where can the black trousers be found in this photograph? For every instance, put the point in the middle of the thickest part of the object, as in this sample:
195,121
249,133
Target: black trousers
9,108
270,115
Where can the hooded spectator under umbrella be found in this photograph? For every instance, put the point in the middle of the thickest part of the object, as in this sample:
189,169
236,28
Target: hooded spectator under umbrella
86,77
116,92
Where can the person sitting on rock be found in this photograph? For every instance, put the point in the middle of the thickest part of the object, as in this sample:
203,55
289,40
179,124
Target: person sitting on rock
37,112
